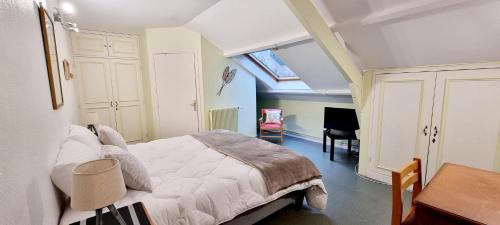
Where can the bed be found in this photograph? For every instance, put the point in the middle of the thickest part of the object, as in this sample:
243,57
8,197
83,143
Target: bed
197,185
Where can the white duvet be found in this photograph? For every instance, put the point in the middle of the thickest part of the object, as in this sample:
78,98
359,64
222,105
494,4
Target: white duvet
196,185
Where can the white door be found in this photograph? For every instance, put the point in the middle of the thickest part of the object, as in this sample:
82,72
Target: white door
96,90
128,99
123,47
467,120
89,44
401,121
175,86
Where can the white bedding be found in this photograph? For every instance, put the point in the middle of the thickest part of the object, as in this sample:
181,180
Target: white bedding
196,185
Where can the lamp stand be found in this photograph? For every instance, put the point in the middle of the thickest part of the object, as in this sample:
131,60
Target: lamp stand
113,210
91,127
98,216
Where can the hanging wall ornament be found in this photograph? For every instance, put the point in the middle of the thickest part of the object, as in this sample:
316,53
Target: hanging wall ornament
227,77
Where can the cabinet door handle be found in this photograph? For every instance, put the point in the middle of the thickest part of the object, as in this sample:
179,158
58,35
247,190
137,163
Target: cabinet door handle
425,130
435,134
111,104
116,105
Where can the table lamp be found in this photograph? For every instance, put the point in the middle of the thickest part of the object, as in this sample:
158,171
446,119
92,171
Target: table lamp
92,120
98,184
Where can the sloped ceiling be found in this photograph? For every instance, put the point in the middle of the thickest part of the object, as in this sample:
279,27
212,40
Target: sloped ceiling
132,16
244,25
378,33
235,25
311,64
394,33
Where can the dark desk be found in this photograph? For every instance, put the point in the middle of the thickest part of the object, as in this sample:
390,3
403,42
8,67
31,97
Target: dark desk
460,195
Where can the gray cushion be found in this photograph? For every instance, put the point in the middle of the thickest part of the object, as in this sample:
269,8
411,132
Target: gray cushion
134,173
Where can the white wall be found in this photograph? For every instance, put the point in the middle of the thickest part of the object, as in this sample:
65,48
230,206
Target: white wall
241,92
30,130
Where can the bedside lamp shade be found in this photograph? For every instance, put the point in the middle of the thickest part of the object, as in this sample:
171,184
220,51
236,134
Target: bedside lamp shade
92,118
97,184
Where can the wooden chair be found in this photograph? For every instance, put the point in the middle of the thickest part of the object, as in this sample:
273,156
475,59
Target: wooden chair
271,129
409,175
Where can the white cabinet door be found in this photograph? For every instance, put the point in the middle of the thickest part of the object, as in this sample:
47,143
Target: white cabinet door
87,44
400,122
467,119
123,47
96,89
129,99
175,93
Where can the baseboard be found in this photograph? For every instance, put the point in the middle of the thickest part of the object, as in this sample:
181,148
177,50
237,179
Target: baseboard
315,139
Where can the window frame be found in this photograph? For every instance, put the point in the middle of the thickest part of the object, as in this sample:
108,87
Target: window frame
269,71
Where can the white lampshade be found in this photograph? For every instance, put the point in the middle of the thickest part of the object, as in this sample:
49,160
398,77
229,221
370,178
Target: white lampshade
97,184
92,118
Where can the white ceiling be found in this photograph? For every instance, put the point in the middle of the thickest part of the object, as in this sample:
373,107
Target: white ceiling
132,16
378,33
394,33
235,25
245,25
311,64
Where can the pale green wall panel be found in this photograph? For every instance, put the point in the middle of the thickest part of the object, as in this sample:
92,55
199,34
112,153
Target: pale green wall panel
304,116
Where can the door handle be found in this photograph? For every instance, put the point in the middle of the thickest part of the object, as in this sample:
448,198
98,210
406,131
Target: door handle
111,104
435,134
194,105
425,130
116,105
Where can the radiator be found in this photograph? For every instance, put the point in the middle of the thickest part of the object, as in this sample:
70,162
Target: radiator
225,118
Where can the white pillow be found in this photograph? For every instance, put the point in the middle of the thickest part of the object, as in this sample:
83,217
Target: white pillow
134,173
273,116
85,136
72,154
109,136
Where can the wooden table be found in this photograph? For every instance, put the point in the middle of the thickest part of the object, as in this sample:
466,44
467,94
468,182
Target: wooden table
460,195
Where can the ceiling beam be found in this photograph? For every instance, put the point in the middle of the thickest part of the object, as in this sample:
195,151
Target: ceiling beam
268,44
312,21
329,92
274,43
407,9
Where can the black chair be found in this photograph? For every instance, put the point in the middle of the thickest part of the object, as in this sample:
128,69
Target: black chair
339,124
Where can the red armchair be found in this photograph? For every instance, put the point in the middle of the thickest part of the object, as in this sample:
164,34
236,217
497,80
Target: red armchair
271,124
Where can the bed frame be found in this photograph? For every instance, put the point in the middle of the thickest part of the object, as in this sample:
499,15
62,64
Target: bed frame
254,215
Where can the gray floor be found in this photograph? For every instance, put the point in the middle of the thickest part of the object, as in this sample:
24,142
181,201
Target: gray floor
351,200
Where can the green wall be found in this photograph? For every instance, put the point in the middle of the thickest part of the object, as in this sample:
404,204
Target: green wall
303,114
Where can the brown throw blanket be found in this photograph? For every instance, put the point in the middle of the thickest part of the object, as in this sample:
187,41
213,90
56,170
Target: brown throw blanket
280,167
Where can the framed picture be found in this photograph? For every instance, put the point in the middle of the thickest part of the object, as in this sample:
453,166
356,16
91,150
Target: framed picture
51,58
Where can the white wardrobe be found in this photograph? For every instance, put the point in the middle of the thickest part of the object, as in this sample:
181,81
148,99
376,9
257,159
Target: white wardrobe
439,116
109,73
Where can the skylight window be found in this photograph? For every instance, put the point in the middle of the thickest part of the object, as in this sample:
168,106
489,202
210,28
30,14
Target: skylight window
270,62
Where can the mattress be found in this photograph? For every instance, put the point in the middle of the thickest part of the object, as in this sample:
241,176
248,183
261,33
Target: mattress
196,185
